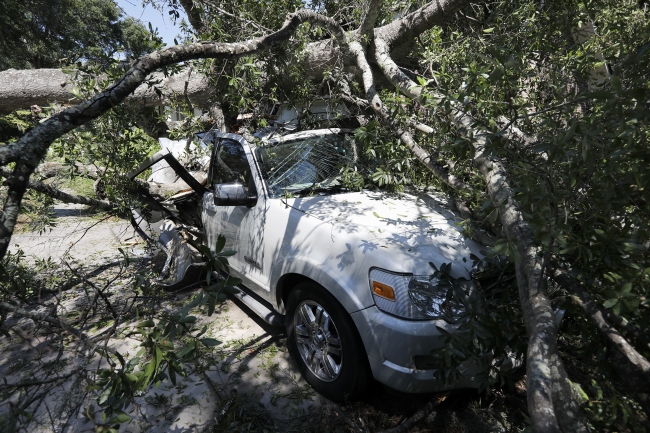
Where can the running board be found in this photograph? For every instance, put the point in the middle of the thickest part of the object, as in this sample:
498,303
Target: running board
271,317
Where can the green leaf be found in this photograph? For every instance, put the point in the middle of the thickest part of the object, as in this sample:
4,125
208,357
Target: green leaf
194,302
210,342
570,133
181,353
119,418
221,242
147,324
610,303
496,74
172,373
629,246
232,281
203,330
126,257
158,358
490,30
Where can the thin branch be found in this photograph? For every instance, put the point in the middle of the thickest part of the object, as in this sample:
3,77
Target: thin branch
60,195
193,14
417,416
258,26
596,316
28,383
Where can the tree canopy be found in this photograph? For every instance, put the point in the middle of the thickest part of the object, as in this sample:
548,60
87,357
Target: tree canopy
532,116
50,34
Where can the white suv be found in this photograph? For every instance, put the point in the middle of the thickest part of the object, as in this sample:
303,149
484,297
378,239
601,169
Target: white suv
349,272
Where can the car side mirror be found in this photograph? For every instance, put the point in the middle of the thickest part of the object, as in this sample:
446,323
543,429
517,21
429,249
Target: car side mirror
233,194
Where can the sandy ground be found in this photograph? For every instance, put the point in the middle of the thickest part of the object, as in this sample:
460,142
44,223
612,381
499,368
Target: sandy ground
252,359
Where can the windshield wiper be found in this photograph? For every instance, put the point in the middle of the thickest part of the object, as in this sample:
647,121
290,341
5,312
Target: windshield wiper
317,189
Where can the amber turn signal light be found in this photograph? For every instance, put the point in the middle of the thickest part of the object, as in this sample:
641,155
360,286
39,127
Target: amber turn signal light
383,290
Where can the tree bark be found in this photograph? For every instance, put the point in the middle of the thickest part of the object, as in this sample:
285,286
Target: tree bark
24,88
551,404
193,14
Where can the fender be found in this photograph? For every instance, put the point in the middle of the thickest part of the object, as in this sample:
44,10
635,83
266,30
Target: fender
333,280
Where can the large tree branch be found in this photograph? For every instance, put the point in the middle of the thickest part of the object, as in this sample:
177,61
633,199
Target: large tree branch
30,149
193,14
392,72
551,403
367,27
53,169
354,49
401,33
20,89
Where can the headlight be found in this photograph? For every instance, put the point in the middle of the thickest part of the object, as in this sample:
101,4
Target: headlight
415,297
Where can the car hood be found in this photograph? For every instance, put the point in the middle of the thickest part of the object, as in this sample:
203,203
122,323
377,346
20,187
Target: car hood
403,232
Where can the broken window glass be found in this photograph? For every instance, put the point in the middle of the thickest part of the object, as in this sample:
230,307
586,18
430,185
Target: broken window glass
307,164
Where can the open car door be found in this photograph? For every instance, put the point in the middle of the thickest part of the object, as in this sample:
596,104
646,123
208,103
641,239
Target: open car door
176,221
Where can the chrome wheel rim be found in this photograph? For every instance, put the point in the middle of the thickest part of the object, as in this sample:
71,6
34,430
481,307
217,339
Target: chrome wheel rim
318,341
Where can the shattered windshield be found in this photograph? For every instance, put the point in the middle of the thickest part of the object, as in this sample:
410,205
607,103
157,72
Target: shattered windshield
307,165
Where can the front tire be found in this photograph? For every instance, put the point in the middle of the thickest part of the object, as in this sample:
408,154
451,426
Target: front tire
323,341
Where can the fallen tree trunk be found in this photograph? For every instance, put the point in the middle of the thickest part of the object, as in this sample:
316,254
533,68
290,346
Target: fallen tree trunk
53,169
24,88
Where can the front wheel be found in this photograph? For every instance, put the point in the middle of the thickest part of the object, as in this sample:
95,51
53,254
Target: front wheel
324,343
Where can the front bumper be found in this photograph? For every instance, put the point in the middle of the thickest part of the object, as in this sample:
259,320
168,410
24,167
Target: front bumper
392,344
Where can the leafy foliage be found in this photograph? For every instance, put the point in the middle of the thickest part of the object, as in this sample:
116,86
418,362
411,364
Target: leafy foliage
46,33
561,95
